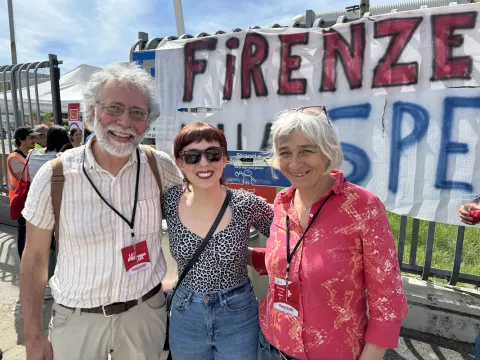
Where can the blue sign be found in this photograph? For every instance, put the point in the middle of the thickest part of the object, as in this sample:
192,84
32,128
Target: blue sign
146,59
251,168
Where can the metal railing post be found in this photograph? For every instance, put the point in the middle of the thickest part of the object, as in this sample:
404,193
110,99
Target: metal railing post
457,258
414,244
429,251
30,115
401,239
20,93
4,155
4,74
13,92
35,81
55,86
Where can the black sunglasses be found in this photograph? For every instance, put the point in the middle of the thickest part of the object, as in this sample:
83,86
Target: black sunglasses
193,156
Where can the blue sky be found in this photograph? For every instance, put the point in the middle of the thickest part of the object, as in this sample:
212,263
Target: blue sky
102,31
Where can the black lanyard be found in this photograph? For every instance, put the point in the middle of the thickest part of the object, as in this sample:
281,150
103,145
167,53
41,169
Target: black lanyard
290,254
132,222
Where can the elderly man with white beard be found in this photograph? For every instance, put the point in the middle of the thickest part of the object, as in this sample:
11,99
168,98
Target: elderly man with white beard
107,282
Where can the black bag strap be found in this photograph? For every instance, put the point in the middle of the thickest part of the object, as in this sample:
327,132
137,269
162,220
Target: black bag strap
204,243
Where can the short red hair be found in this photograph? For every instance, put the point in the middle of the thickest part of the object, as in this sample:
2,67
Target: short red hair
196,132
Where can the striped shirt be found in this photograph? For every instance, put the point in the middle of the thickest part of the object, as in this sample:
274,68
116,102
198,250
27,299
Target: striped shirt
90,271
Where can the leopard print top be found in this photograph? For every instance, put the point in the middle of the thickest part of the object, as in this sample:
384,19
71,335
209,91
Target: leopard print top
223,263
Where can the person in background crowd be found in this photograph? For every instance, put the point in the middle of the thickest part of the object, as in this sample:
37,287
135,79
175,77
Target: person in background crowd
471,219
214,311
330,252
86,135
66,147
41,140
110,264
76,136
56,138
89,136
24,142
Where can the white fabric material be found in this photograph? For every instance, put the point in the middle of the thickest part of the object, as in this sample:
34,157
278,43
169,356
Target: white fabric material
416,145
90,270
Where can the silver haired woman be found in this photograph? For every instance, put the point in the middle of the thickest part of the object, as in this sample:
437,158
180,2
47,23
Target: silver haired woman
330,252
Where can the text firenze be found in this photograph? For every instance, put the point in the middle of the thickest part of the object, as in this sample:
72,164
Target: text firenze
338,50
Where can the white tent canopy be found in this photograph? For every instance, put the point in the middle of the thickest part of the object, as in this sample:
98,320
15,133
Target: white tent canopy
71,87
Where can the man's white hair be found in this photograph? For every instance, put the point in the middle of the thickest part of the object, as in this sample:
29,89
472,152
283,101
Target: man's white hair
316,128
126,74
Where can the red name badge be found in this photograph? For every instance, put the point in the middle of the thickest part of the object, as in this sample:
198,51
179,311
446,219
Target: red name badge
286,298
137,259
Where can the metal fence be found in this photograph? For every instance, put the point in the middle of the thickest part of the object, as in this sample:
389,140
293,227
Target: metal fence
20,101
426,270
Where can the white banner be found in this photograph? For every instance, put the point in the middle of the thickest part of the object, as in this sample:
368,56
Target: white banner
401,89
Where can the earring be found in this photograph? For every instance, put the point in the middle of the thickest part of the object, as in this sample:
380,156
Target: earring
185,177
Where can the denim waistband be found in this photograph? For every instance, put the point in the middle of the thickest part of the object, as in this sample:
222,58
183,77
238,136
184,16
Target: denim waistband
212,296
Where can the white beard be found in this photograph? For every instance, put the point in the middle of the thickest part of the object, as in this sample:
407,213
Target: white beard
114,148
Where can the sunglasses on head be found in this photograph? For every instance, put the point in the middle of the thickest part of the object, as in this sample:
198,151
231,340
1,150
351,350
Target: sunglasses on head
307,110
193,156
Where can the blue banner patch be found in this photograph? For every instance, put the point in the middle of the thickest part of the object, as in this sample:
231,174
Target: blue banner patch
251,168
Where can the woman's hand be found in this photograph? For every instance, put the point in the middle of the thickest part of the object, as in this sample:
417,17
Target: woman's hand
465,215
256,258
372,352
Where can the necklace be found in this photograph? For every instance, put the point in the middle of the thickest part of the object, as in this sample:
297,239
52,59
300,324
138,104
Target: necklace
305,208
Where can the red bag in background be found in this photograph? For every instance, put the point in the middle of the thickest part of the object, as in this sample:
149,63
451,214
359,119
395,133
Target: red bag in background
21,192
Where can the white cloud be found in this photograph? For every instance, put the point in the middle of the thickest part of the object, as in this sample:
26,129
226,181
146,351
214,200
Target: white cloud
90,32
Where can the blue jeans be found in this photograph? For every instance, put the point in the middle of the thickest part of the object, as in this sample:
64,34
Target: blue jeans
477,347
266,351
219,325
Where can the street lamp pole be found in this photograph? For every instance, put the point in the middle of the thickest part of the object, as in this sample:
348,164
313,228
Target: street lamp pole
13,46
177,6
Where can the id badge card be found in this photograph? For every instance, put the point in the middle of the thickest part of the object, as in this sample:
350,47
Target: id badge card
136,260
286,298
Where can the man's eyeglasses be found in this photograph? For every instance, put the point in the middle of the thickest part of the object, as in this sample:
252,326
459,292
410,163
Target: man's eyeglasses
307,110
193,156
117,109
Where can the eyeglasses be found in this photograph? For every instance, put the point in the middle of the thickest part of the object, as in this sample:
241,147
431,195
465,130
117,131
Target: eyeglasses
116,109
307,110
193,156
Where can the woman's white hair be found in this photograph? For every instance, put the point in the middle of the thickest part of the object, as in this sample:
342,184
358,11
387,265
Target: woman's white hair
126,74
316,128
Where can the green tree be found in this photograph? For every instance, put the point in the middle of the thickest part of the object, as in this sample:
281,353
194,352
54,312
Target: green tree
34,116
47,117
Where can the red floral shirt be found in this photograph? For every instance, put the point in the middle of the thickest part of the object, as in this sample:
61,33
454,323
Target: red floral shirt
346,260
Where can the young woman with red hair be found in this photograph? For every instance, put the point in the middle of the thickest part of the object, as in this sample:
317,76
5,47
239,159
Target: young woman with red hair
214,312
